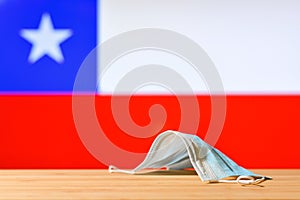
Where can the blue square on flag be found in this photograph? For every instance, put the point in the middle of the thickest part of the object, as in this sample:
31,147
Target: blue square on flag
44,43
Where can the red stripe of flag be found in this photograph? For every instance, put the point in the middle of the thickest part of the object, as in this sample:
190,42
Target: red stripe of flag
39,131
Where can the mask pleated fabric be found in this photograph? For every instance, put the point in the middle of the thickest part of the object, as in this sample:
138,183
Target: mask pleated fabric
175,151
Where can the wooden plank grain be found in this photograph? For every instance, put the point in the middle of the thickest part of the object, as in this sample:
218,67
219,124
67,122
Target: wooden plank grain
99,184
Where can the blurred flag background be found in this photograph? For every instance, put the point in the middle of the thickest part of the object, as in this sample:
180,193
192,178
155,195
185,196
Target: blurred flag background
254,45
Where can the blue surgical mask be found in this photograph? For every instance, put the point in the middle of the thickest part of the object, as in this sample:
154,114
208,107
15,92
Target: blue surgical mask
175,151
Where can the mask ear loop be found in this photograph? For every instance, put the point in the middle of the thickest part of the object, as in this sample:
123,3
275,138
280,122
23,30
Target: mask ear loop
245,180
112,169
249,180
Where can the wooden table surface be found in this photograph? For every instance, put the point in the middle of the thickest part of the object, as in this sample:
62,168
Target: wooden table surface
99,184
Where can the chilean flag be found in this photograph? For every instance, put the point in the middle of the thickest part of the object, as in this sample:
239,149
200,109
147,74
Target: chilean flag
250,48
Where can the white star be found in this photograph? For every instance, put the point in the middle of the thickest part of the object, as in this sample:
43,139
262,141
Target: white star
46,40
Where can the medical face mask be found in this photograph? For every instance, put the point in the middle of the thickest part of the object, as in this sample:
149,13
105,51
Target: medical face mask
175,151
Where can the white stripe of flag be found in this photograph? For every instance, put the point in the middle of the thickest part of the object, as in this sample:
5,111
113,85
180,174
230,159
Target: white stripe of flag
255,45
